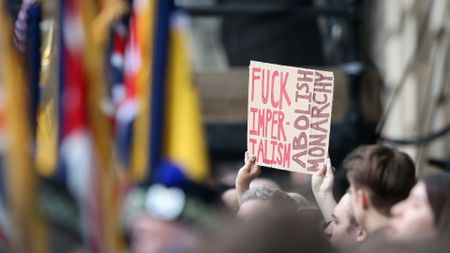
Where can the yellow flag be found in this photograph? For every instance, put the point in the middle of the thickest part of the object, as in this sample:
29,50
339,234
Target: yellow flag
185,141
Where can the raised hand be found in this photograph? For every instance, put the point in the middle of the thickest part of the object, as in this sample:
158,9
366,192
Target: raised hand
322,181
246,175
322,188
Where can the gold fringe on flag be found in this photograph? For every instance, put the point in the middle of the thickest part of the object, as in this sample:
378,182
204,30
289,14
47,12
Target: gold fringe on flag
97,19
29,233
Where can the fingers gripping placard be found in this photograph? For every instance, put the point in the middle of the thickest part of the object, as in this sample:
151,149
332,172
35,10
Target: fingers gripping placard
289,116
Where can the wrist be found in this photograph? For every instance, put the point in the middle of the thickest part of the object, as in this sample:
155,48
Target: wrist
242,185
323,195
242,180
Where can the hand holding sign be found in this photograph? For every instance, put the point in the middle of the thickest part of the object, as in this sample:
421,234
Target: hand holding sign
322,188
246,175
289,116
322,181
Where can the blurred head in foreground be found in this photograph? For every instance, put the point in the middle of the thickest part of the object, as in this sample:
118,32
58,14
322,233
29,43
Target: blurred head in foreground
425,213
344,229
277,231
379,178
152,235
170,216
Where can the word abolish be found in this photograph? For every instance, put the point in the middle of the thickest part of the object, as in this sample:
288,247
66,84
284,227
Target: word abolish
314,93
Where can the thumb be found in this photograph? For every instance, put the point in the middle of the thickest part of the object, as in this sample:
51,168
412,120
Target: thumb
329,169
249,164
255,171
320,172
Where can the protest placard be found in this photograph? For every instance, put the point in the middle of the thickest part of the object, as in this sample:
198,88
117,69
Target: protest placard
289,116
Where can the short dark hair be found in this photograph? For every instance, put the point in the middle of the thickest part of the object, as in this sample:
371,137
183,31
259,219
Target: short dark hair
386,173
438,193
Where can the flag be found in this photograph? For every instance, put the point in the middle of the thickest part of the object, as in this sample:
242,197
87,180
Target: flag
77,151
144,12
5,224
116,94
129,71
27,224
48,131
33,62
185,143
177,137
158,80
105,199
129,68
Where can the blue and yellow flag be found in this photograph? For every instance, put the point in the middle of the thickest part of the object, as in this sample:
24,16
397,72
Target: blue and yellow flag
184,143
177,138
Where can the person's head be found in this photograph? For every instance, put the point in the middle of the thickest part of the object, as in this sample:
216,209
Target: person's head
425,213
230,199
264,183
379,178
155,216
257,201
151,235
344,229
301,201
278,231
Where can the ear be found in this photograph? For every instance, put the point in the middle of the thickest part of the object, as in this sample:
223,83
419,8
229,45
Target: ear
363,198
361,234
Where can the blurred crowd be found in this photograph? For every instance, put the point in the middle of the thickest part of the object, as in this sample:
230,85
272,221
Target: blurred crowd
386,208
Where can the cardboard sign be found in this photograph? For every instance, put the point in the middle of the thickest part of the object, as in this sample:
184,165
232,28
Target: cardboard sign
289,116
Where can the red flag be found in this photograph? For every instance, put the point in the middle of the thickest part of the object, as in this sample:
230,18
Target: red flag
77,151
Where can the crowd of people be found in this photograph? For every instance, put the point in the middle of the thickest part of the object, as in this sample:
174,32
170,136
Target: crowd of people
386,208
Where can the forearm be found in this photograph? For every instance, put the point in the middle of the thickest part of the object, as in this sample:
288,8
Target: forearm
241,188
245,176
